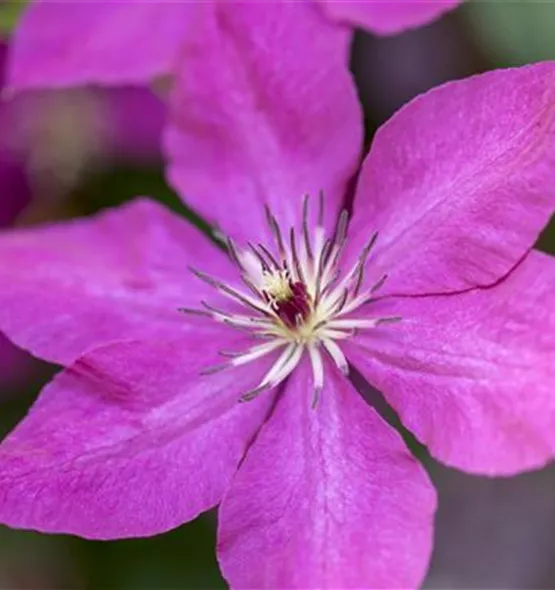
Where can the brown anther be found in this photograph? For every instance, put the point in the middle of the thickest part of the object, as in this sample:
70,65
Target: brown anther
306,235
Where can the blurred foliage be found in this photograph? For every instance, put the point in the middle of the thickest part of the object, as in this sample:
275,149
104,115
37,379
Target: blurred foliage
125,182
9,14
513,32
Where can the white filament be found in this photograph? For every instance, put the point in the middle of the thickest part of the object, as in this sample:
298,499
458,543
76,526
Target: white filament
333,297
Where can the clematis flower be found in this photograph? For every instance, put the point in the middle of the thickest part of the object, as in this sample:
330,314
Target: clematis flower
429,286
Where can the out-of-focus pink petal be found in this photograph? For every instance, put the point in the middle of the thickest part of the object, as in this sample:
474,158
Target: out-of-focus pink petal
326,498
60,44
14,364
461,181
472,375
131,440
120,275
14,189
265,111
136,117
4,48
387,17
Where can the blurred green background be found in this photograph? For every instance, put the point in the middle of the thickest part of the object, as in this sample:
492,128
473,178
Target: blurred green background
490,533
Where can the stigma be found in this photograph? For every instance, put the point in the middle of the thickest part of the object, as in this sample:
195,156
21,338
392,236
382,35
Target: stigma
296,300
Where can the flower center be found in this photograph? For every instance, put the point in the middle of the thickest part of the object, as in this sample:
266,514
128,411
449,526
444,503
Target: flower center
289,299
297,300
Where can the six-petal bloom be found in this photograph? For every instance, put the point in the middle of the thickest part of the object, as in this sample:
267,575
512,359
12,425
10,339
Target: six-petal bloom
144,429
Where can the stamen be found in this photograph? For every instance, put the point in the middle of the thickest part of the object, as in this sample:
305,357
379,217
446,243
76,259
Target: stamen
364,299
338,334
215,310
320,272
341,301
274,227
330,283
242,321
231,353
341,234
389,320
354,323
260,258
305,229
297,300
337,355
236,319
295,256
257,352
246,325
362,263
379,284
317,373
191,311
321,210
253,393
251,286
232,250
215,369
280,370
229,291
269,256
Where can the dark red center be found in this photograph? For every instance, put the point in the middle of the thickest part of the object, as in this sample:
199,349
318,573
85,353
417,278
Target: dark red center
296,308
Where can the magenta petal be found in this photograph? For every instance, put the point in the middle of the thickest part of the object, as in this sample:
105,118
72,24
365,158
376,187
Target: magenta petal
71,43
122,274
265,111
386,17
130,441
326,498
135,119
460,182
472,375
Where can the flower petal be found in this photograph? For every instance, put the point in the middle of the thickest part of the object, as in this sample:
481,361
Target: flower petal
472,375
461,181
390,16
330,497
136,118
130,440
265,111
71,43
120,275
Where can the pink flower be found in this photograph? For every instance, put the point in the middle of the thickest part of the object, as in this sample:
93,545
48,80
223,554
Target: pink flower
447,309
63,44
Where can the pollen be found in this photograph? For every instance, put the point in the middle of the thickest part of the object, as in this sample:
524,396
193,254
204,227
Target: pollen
277,285
297,300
